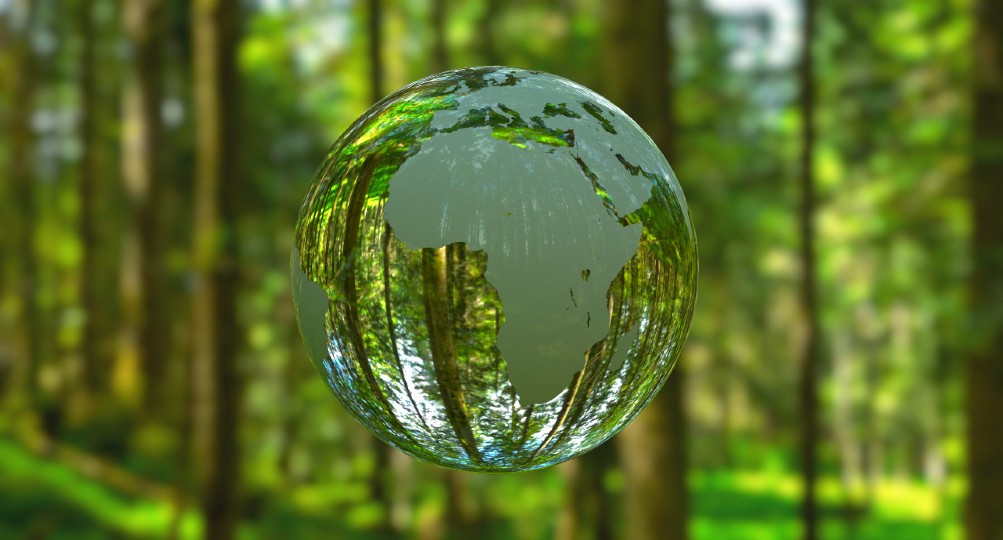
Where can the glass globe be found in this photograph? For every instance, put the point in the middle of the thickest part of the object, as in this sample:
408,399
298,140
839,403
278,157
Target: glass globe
494,269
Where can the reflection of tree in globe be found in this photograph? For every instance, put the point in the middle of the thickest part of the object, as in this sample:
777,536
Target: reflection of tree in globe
495,269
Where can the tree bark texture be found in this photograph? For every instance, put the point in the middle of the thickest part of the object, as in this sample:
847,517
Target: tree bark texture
440,337
440,56
638,65
98,274
375,21
216,333
984,366
144,181
808,379
378,483
22,186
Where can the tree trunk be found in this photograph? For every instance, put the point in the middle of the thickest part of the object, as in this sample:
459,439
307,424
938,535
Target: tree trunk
585,510
141,164
459,513
216,335
447,371
375,8
438,305
570,516
440,58
486,28
872,457
21,141
463,515
653,448
984,368
291,382
808,385
595,465
402,470
845,429
97,274
459,519
381,452
653,458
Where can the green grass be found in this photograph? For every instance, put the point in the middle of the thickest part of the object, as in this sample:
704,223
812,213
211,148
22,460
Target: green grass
57,502
765,505
42,498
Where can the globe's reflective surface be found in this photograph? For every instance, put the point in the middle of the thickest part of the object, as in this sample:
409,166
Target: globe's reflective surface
494,269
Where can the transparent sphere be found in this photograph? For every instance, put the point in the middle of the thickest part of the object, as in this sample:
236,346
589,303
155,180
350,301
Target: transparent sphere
494,269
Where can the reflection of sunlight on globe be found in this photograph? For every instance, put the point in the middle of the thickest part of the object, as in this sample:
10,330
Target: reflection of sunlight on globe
494,269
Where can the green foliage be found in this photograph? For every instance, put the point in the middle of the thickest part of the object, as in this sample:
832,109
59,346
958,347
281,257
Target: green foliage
743,504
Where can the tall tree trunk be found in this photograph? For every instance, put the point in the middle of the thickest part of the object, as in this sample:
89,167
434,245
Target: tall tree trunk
808,384
984,368
402,510
440,58
459,521
486,28
23,191
436,283
291,380
440,337
595,465
375,13
570,517
872,457
97,275
585,510
141,165
653,448
183,457
653,458
844,427
9,337
180,301
216,335
381,452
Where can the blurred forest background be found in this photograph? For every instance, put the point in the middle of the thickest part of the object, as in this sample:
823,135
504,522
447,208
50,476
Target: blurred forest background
843,163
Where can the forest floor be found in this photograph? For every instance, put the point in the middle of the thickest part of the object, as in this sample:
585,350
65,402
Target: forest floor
43,497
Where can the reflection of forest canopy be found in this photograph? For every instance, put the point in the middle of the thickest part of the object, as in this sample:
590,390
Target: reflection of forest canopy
414,331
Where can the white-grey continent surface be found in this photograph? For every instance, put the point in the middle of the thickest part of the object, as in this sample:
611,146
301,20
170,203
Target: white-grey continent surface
553,247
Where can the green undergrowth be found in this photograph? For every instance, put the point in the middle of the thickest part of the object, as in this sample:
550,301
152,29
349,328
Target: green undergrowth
40,498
